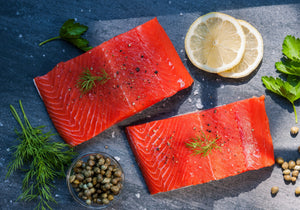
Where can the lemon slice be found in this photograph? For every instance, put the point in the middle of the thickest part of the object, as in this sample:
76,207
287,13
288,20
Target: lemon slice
215,42
252,56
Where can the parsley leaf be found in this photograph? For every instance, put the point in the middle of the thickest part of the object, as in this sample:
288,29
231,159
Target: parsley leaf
289,89
71,32
291,48
288,66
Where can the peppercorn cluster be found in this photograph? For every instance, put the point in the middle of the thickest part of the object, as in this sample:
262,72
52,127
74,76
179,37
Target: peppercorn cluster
97,180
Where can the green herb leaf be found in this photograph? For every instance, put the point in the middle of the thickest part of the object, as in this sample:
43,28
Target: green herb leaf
288,89
71,32
41,159
202,145
288,67
291,48
86,81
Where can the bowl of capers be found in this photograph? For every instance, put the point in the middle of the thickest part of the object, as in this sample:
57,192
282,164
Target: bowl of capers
95,180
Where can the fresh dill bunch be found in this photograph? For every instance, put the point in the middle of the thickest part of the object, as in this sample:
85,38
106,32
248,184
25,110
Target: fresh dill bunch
86,80
202,145
41,159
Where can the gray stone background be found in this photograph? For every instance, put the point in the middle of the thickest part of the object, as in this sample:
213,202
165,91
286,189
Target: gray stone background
23,24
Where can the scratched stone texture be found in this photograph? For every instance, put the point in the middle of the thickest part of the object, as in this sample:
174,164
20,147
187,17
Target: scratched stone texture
23,24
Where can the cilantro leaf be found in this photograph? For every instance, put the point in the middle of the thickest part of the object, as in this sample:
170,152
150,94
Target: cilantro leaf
288,89
71,32
291,48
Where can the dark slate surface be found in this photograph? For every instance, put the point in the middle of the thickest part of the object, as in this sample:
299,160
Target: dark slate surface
23,24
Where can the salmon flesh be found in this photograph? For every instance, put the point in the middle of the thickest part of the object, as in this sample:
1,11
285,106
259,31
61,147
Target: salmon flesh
240,131
142,68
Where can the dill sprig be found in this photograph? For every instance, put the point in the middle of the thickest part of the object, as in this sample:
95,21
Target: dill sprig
86,80
202,145
41,159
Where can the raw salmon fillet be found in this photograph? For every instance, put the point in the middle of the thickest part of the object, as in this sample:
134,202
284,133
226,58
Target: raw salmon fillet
143,67
166,162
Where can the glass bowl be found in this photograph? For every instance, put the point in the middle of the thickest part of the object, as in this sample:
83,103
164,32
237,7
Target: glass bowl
93,182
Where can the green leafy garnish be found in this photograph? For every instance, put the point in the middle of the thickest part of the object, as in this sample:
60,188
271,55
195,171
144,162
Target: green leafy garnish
86,81
291,48
288,89
71,32
202,145
289,65
41,159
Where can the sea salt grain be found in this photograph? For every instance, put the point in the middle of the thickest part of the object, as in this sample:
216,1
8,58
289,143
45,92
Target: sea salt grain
117,158
20,35
138,195
199,105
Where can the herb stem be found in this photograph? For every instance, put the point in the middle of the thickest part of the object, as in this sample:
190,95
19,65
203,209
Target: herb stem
296,118
49,40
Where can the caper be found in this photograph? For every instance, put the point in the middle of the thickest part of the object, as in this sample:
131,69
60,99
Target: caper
101,161
107,161
111,167
89,179
79,177
279,160
102,172
118,173
80,194
297,167
284,165
87,173
107,186
99,201
294,130
98,156
92,190
274,190
94,181
106,180
99,178
84,197
108,173
297,191
298,161
77,189
91,157
87,193
115,181
95,195
91,163
287,177
110,197
295,173
292,164
76,182
104,167
72,178
88,202
105,201
293,179
115,189
90,185
89,168
85,187
286,171
78,163
104,195
77,170
97,170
